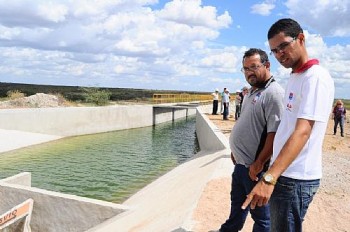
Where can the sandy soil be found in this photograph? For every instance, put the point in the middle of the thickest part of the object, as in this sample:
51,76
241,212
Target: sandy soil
330,209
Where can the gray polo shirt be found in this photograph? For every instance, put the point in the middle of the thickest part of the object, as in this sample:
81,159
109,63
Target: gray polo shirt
260,114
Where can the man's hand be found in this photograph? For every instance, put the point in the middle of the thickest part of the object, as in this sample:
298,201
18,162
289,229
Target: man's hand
254,170
259,196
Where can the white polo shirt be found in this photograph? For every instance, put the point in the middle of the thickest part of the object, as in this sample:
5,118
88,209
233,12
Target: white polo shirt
309,95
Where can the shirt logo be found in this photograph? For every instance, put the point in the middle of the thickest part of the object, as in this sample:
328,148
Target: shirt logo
256,98
290,100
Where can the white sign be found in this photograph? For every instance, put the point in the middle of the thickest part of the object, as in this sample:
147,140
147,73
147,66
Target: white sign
22,210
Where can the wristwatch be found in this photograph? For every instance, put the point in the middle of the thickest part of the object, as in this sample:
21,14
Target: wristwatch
269,179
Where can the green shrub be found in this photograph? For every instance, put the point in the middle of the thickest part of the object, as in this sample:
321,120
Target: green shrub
15,94
97,96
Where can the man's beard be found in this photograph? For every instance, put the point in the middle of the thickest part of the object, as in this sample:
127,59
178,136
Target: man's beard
258,84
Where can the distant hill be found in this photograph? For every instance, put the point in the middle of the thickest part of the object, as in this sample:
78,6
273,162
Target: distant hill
76,93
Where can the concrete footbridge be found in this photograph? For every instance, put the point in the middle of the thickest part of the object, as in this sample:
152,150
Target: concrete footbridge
174,111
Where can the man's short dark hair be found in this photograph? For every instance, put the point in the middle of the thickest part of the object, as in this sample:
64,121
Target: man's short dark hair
288,26
253,51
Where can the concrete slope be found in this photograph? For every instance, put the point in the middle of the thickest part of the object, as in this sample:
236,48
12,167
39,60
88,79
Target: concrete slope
13,139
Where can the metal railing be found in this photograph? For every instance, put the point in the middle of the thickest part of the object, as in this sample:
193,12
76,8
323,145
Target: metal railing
173,98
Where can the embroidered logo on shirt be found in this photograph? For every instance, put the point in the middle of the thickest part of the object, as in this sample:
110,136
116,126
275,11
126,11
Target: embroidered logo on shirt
256,98
290,100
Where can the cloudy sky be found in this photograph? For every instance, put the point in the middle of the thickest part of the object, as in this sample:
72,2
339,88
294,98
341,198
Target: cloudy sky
168,45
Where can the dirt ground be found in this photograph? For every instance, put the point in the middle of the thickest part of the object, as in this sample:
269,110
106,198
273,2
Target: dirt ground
330,209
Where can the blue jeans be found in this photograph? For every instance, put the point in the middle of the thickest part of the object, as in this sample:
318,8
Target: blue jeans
226,110
215,106
289,203
238,111
241,187
339,121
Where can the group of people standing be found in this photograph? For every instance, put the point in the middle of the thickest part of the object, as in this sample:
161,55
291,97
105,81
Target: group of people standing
225,102
276,145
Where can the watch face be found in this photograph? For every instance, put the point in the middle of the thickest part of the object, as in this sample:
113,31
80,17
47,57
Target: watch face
268,178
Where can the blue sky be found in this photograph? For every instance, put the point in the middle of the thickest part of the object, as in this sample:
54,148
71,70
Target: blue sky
188,45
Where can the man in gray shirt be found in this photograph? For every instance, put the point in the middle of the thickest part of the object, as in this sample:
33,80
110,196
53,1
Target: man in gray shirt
251,139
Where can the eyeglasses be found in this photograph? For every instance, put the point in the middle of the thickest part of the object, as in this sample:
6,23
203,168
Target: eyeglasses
251,69
282,47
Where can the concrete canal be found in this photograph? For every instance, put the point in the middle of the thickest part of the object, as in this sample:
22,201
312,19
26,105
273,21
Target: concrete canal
107,166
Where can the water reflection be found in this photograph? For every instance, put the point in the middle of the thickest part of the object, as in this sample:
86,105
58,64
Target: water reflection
108,166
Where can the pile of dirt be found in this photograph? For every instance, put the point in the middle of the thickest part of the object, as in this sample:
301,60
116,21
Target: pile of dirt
38,100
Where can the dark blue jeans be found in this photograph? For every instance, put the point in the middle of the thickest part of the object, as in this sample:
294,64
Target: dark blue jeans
339,121
215,106
238,111
241,187
289,203
226,110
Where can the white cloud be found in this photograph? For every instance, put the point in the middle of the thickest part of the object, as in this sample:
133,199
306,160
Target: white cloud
315,44
190,12
335,58
223,61
141,43
328,17
52,11
263,9
76,70
8,33
19,13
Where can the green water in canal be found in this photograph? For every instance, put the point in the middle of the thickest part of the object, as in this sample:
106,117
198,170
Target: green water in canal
108,166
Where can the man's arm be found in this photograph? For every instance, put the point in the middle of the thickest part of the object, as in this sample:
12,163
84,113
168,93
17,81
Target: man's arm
263,157
273,109
261,193
233,159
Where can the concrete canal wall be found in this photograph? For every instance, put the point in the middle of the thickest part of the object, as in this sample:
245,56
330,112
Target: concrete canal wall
52,211
209,136
40,125
72,121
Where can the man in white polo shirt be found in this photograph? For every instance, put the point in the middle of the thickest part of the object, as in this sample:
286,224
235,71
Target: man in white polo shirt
296,165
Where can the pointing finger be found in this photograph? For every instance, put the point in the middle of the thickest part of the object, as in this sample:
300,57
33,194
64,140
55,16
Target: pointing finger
247,201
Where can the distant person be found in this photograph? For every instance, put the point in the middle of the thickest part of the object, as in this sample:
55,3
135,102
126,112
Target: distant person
229,103
251,139
226,103
339,116
243,93
238,101
222,103
215,101
293,178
